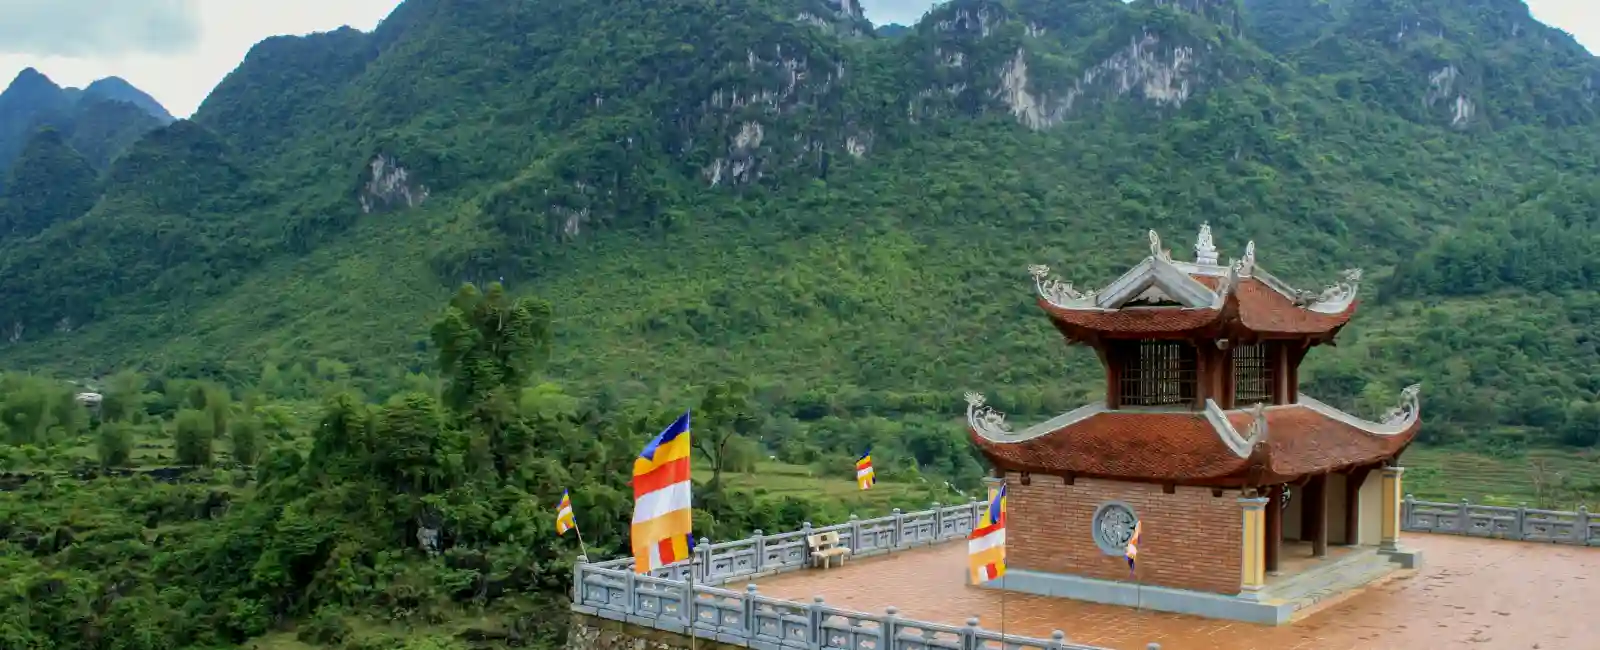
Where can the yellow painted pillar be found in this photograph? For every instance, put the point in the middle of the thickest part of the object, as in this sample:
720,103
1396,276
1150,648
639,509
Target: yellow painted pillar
1390,541
1253,537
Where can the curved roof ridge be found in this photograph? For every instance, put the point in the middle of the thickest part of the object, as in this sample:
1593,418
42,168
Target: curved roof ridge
1241,444
1398,420
991,424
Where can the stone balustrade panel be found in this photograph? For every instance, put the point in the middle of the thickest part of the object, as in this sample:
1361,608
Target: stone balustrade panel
663,600
1501,522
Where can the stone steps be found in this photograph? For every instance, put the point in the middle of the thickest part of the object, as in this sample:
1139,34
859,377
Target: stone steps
1337,578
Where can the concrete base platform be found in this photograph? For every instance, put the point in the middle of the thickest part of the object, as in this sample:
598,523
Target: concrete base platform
1277,604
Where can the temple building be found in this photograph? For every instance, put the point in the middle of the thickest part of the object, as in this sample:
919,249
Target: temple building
1255,500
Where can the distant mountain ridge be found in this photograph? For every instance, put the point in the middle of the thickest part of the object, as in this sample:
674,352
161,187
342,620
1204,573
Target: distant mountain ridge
773,187
95,120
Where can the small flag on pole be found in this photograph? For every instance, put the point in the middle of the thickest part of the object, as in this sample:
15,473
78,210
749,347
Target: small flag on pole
1133,546
865,477
986,548
564,519
662,521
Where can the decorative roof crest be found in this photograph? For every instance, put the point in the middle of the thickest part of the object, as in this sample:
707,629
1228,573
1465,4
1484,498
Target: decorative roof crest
1333,299
1410,405
1205,250
1057,292
1227,284
1242,444
1156,251
1247,266
984,420
1256,433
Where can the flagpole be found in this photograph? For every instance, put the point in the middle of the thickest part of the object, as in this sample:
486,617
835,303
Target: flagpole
581,546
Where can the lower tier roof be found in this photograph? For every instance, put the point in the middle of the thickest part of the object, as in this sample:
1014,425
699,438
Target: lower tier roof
1260,446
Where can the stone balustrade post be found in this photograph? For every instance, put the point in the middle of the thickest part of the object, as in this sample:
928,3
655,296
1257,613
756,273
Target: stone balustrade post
1464,517
1580,533
702,572
938,522
887,633
969,635
972,514
1390,496
899,523
855,534
1522,521
814,618
750,594
577,578
805,543
1407,507
1252,546
1058,639
630,591
1153,646
759,547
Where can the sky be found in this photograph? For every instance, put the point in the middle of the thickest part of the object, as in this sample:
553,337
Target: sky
178,50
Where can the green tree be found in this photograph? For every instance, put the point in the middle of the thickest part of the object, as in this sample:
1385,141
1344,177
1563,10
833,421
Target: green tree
192,437
726,412
114,444
245,436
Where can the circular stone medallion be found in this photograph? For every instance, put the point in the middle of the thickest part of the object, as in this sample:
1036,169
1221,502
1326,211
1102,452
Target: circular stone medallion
1113,526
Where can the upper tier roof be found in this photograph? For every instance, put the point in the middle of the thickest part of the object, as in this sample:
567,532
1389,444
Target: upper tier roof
1261,446
1164,297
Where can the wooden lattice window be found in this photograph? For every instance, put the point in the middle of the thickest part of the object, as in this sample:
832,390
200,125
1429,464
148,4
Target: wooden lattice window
1157,373
1252,374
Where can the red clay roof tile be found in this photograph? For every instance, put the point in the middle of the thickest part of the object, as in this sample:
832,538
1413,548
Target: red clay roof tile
1183,446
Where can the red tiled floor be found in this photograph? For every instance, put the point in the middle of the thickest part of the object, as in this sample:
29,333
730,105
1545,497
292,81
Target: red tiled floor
1471,593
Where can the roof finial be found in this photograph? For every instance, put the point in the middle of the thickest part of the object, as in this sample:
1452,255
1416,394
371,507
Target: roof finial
1205,250
1248,264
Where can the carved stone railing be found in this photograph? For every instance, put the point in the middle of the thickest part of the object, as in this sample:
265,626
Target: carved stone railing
1500,522
661,600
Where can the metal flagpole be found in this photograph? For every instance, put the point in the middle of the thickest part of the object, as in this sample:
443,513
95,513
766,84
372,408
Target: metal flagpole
581,546
1003,611
693,637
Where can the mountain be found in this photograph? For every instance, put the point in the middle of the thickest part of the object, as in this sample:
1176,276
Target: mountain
768,189
98,121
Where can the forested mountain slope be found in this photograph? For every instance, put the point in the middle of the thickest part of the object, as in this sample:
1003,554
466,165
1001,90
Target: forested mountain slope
769,189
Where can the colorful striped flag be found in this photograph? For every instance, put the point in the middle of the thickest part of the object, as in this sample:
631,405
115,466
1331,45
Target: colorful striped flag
986,549
661,532
865,477
564,519
1133,546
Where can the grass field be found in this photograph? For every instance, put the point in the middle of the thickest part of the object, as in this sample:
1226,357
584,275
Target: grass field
1540,477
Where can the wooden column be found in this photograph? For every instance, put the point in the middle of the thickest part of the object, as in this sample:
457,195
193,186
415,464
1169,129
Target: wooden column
1391,491
1252,570
1274,539
1108,358
1316,512
1352,504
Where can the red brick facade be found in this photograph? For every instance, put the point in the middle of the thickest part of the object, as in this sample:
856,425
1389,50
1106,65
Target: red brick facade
1189,540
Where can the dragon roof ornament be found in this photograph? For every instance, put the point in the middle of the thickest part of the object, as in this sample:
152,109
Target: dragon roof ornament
1057,292
1409,407
984,419
1247,266
1227,284
1205,249
1335,298
1156,251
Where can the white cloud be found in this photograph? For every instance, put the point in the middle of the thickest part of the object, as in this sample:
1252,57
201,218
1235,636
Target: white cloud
180,80
97,28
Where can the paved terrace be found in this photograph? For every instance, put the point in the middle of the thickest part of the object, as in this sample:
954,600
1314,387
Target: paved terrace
1484,594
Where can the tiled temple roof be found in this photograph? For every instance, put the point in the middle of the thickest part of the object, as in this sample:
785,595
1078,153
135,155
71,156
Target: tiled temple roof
1225,448
1195,298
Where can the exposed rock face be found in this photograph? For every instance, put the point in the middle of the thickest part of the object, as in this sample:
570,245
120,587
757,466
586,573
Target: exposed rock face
1443,88
1161,75
389,187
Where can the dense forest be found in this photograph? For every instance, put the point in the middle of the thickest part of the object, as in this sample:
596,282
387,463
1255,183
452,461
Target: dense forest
813,231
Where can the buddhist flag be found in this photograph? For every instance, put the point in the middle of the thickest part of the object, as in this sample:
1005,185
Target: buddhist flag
1133,546
661,531
564,518
986,549
865,478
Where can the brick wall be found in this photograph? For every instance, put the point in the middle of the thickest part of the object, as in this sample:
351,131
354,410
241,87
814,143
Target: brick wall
1190,539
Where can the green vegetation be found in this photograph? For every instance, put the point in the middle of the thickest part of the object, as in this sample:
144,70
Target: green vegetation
815,235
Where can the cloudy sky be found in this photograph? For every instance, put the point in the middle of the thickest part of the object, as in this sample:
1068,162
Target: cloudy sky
177,50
